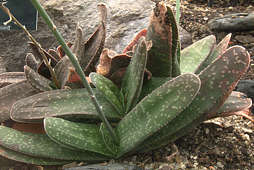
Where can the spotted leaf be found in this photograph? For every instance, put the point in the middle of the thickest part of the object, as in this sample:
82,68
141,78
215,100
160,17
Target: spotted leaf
156,110
79,136
133,77
72,104
217,82
193,55
10,94
36,80
215,53
109,90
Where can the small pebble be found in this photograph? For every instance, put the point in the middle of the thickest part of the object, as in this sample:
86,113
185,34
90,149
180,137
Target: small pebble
220,165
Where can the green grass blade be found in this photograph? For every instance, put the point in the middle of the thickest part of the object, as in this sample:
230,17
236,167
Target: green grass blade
79,136
109,90
133,78
156,111
193,55
72,104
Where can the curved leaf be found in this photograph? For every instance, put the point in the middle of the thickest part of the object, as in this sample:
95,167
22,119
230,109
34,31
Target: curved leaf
109,90
109,143
217,82
79,136
236,102
10,94
193,55
216,52
72,104
40,145
16,156
156,110
159,31
36,80
8,78
31,61
152,84
133,78
94,46
62,70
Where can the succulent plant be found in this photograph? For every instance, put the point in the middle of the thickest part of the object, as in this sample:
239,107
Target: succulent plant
151,94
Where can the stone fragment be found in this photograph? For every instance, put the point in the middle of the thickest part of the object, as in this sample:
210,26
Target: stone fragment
245,39
233,23
247,87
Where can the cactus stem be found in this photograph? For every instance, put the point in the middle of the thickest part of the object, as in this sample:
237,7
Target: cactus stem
13,19
76,65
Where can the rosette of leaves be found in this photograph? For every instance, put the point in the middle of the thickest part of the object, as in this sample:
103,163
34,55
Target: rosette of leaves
152,94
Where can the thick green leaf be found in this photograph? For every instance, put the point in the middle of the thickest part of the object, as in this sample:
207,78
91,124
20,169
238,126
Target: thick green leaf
109,90
10,94
236,102
79,136
133,78
72,104
108,140
175,47
152,84
217,82
156,110
8,78
159,60
36,80
216,52
16,156
40,145
193,55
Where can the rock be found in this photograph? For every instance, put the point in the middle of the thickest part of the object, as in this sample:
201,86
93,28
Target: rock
233,23
247,87
245,39
125,19
115,166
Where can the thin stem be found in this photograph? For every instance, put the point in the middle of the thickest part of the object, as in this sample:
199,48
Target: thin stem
13,19
76,65
178,12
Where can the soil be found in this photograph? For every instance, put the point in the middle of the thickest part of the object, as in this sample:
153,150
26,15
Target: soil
222,143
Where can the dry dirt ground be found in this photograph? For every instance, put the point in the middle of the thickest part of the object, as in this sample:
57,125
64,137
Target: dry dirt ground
223,143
